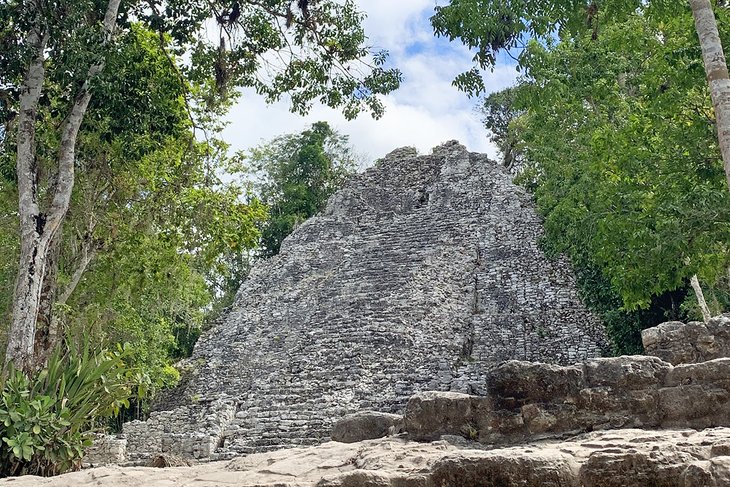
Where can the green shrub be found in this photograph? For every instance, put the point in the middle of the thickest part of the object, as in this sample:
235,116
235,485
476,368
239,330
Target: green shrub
46,421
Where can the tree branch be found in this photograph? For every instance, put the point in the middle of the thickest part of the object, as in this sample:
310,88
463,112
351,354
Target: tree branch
70,130
706,315
88,253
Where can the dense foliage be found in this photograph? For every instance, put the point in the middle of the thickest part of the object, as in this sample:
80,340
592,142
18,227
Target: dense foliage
490,27
151,231
305,50
46,420
618,143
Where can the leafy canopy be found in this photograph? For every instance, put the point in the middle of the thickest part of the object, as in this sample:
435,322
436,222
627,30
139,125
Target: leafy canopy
492,26
304,50
625,160
616,136
152,231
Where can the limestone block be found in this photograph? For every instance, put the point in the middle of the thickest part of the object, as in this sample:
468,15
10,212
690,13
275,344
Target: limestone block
366,425
524,382
534,400
680,343
432,414
549,468
106,450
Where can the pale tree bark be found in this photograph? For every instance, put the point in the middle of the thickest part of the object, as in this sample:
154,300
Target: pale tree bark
30,274
38,229
717,74
706,315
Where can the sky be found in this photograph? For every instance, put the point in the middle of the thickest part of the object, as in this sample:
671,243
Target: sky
424,112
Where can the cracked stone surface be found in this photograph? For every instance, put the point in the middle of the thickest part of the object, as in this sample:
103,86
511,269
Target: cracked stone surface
421,274
619,458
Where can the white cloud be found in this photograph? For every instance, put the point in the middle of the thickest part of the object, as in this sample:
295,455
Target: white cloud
393,24
424,112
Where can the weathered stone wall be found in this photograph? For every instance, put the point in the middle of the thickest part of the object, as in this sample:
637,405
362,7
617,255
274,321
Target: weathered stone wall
105,450
419,274
195,430
679,343
527,401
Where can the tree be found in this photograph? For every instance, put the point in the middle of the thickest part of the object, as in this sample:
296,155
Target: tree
39,228
624,167
495,25
60,49
717,73
499,113
152,234
296,174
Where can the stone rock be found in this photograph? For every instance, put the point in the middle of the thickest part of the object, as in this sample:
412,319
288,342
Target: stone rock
679,343
619,458
429,415
358,478
528,400
524,382
460,441
697,395
366,425
550,468
420,274
106,450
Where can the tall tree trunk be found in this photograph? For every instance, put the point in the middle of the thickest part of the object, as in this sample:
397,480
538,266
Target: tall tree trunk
30,273
38,229
717,73
706,315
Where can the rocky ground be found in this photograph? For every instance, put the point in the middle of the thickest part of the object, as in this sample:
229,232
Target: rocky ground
618,458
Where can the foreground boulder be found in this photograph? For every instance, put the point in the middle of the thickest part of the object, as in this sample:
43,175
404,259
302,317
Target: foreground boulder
366,425
620,458
680,343
430,415
527,401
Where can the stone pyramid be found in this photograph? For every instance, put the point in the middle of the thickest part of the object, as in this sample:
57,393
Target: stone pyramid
419,275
